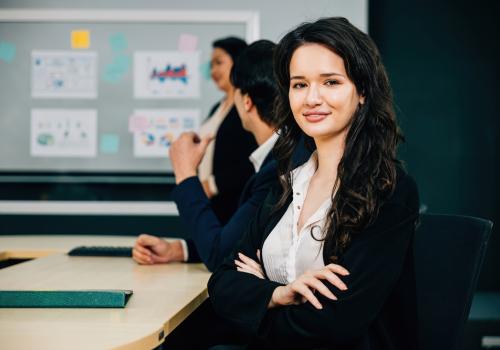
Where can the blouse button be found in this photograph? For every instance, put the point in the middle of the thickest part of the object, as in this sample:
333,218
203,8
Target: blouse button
298,206
297,194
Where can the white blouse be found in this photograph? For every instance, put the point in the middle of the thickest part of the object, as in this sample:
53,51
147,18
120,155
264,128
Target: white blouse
210,127
286,253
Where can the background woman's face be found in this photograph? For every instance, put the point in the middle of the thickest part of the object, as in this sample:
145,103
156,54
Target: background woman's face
322,97
220,69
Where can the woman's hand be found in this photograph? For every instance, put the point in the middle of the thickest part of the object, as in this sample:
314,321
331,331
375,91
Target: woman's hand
303,288
247,265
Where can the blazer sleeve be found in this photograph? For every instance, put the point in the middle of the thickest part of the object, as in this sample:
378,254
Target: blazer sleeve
374,260
212,240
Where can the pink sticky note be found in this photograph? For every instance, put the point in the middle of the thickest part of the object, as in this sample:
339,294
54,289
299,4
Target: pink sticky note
187,42
137,123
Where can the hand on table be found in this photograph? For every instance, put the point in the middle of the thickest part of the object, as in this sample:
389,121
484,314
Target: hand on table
149,250
302,289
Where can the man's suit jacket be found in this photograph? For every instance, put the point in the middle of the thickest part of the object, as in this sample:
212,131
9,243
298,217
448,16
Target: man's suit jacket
211,241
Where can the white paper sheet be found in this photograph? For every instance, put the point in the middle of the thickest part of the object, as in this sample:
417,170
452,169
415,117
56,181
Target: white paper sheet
164,126
166,74
63,132
63,74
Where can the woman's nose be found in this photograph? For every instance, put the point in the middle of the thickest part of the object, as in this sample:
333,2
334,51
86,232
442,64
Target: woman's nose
313,97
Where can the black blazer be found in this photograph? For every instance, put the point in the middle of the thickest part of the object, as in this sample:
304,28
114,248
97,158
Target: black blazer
231,166
372,314
210,241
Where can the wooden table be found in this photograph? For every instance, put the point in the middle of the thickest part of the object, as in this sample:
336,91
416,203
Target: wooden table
164,295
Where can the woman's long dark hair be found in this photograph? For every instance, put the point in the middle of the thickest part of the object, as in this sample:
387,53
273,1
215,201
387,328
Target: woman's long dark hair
366,174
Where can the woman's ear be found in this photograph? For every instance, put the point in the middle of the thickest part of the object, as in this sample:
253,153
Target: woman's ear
361,100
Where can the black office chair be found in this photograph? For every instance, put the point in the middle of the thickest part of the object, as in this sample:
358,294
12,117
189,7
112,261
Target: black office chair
448,255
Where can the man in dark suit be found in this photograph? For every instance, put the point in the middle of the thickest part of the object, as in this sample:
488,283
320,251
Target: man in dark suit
210,241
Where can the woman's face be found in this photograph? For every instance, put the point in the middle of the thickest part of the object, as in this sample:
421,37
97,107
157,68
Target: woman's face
322,98
220,69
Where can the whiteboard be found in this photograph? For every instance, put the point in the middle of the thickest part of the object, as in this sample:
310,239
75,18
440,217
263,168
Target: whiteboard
44,47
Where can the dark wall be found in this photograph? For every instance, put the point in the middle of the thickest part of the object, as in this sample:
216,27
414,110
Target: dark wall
442,58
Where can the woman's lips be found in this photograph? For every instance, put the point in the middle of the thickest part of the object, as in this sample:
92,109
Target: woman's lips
315,116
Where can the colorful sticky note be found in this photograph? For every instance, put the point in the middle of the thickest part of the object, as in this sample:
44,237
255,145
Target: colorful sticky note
122,62
187,42
109,143
111,74
205,70
137,123
80,39
118,42
7,51
115,71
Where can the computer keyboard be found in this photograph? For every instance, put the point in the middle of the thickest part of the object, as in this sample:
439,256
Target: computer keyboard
101,251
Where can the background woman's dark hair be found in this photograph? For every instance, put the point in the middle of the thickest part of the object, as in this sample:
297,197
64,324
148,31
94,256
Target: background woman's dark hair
232,45
367,170
253,74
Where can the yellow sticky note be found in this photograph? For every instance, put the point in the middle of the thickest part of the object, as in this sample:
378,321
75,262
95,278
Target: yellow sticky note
80,39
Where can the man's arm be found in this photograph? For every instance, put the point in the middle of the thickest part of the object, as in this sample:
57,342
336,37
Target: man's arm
212,240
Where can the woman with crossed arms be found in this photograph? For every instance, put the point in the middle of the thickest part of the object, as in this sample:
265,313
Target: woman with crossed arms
327,261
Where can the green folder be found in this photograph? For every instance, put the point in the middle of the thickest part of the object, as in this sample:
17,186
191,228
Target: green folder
64,298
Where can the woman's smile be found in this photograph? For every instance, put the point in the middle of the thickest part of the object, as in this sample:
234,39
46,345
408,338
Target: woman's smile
315,116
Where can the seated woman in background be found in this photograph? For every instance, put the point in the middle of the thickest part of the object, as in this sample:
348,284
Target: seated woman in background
225,167
327,261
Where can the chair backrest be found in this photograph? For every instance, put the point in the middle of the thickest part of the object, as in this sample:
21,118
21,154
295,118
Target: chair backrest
448,255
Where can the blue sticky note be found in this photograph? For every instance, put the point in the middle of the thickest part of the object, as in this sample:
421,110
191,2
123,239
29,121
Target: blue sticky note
109,143
122,63
111,74
7,51
118,42
205,70
115,71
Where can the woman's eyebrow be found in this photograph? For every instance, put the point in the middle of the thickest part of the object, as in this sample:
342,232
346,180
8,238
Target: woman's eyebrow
330,74
323,75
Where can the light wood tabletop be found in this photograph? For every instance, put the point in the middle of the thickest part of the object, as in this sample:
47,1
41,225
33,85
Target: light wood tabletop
164,295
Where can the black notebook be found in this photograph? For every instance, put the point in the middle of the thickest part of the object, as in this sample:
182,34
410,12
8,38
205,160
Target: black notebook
101,251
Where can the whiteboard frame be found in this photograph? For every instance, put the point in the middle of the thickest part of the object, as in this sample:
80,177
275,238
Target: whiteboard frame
251,19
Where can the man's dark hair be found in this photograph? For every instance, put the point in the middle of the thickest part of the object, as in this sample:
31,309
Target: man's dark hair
253,74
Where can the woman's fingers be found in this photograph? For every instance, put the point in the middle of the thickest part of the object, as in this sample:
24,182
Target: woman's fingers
241,266
302,289
249,261
332,278
316,284
337,269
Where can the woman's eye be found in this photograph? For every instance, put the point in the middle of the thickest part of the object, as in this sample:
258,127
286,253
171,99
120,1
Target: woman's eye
331,82
299,85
